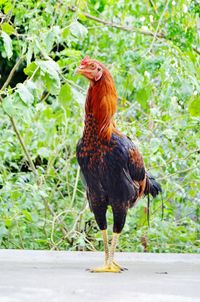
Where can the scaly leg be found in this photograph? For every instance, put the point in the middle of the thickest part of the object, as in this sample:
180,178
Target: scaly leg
114,267
113,247
106,250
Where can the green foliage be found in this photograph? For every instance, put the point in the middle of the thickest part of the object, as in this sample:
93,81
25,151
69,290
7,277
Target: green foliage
194,106
157,79
7,44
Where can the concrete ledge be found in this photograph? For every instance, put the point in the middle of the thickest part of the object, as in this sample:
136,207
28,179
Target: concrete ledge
61,276
66,256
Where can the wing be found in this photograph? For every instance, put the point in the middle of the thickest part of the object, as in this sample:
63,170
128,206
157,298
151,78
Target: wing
136,165
137,170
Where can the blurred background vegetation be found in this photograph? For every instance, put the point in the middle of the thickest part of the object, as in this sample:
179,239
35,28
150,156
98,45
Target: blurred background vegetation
152,49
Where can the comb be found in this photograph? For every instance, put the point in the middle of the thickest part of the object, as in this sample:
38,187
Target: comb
85,60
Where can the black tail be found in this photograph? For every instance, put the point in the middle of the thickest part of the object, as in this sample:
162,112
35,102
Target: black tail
152,186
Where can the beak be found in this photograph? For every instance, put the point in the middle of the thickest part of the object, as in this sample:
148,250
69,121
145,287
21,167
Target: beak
80,69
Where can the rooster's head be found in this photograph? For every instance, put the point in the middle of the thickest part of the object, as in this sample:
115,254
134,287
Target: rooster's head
91,69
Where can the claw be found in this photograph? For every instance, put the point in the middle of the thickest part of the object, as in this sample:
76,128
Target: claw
119,266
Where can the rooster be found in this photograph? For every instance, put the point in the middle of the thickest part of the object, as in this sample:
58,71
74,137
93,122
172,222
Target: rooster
111,164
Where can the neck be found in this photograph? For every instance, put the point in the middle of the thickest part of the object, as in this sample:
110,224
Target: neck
101,102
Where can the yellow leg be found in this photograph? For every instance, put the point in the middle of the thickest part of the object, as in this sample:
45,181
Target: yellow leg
112,252
113,247
106,247
110,266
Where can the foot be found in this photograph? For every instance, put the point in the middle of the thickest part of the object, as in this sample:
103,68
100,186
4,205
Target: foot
119,266
109,268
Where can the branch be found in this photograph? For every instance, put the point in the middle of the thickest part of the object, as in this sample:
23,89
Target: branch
7,82
178,159
23,146
75,186
118,26
32,166
128,28
153,5
156,32
179,172
196,49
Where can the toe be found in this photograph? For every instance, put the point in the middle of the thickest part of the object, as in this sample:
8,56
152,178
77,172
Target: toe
119,266
105,269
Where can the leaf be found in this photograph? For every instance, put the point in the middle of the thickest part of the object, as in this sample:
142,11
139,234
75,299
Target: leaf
27,215
65,32
7,28
49,66
50,75
69,52
52,35
43,193
49,40
51,84
154,144
30,69
3,231
170,133
81,16
7,44
44,152
14,106
25,94
142,96
186,88
78,30
65,94
8,222
194,106
31,86
7,7
7,105
78,96
29,53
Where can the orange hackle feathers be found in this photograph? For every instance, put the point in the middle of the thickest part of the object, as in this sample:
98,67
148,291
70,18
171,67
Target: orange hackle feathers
102,102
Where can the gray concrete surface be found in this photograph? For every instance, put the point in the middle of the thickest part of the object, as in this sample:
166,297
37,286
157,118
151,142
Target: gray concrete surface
41,276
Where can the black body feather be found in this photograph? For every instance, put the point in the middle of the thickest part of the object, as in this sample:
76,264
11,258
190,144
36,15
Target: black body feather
113,172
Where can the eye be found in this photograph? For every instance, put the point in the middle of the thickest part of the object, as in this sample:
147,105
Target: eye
92,65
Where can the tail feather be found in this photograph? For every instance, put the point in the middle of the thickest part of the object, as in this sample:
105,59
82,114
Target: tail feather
152,186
